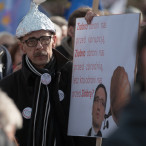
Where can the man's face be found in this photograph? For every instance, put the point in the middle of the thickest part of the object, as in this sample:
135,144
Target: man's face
41,53
98,110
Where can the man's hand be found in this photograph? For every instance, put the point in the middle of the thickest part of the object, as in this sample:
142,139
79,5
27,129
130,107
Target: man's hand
89,16
119,91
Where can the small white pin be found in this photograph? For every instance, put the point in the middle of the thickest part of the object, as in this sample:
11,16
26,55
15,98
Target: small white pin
61,95
27,112
45,78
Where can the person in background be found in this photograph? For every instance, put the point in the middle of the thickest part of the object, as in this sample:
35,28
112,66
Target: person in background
62,22
10,120
7,40
67,44
16,55
58,34
141,61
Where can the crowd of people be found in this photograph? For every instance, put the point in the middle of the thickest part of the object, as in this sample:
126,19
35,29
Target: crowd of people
35,83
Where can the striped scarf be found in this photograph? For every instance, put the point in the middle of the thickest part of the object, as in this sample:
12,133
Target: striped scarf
41,112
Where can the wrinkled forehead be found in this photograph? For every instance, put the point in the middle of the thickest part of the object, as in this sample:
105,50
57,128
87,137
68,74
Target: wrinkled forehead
37,34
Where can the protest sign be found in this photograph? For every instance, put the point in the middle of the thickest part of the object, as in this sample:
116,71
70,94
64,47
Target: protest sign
99,48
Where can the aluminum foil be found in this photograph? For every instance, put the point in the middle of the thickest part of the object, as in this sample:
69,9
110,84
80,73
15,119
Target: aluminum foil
33,21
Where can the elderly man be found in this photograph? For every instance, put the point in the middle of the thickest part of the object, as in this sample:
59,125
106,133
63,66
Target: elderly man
41,89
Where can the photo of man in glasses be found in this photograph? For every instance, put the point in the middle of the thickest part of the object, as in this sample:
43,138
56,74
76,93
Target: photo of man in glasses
98,111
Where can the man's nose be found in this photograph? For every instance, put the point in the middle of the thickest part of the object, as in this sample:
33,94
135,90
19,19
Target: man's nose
39,45
98,106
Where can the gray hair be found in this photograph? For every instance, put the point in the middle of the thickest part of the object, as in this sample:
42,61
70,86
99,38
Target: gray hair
9,113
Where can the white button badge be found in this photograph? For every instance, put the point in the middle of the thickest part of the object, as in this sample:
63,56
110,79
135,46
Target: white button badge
27,112
45,78
61,95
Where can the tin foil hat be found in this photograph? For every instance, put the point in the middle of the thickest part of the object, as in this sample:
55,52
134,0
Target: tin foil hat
34,20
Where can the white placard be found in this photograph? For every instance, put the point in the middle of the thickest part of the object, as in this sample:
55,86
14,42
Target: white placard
108,42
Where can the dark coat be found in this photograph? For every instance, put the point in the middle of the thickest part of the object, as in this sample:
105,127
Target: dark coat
65,48
21,87
99,134
64,52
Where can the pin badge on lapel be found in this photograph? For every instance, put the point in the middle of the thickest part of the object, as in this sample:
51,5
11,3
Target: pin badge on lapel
45,78
61,95
27,112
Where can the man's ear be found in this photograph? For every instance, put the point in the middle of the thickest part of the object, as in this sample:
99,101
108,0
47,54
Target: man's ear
71,31
54,41
21,46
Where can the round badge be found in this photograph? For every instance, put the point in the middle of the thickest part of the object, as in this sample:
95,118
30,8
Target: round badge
27,113
61,95
45,78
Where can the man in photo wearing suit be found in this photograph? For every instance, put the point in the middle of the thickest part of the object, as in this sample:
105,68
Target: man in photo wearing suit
98,110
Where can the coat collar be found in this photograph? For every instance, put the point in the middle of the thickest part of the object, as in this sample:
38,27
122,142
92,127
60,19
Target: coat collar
60,62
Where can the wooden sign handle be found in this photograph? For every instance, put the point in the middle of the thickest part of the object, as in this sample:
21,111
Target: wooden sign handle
95,6
98,141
